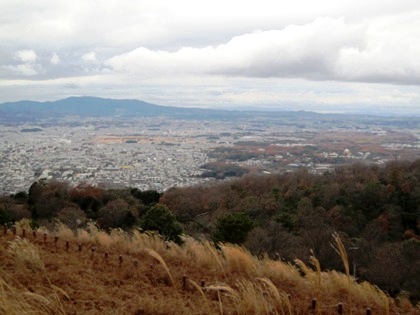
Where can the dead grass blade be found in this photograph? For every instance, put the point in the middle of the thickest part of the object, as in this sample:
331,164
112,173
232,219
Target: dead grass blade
159,258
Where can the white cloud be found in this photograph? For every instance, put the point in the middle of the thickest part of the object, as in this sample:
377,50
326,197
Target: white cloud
55,59
26,56
28,63
90,57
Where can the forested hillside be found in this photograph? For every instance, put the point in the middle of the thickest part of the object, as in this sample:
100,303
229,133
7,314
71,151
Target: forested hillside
376,211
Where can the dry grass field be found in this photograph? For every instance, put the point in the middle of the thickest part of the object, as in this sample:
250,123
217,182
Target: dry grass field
93,272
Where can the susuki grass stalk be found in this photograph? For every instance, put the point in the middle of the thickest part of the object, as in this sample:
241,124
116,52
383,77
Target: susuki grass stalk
220,303
272,288
277,297
386,303
195,285
208,247
25,255
341,251
317,265
64,232
159,258
223,288
240,260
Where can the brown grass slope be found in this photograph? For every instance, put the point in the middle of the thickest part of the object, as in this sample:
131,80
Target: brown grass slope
93,272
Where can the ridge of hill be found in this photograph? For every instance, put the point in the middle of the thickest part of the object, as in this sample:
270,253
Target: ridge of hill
14,113
94,272
87,106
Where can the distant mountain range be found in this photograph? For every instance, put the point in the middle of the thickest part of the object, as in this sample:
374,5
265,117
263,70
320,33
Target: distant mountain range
100,107
87,106
92,107
22,111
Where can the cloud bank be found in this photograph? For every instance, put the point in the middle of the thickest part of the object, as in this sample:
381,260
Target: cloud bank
327,49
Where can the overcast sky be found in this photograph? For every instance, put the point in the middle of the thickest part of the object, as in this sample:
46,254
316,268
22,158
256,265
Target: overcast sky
325,55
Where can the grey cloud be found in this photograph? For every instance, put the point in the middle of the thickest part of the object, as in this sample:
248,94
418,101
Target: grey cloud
24,69
326,49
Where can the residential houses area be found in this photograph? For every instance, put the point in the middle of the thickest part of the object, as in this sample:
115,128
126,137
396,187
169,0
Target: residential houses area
160,153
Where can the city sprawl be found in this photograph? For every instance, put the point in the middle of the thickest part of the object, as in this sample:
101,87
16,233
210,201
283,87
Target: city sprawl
160,152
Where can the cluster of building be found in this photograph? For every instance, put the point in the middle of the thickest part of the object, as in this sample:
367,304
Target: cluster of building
81,154
160,153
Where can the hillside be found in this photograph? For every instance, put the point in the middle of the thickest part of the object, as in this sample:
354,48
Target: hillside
92,272
285,216
376,210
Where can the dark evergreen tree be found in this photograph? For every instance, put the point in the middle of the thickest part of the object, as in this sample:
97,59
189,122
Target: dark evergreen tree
160,219
233,228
